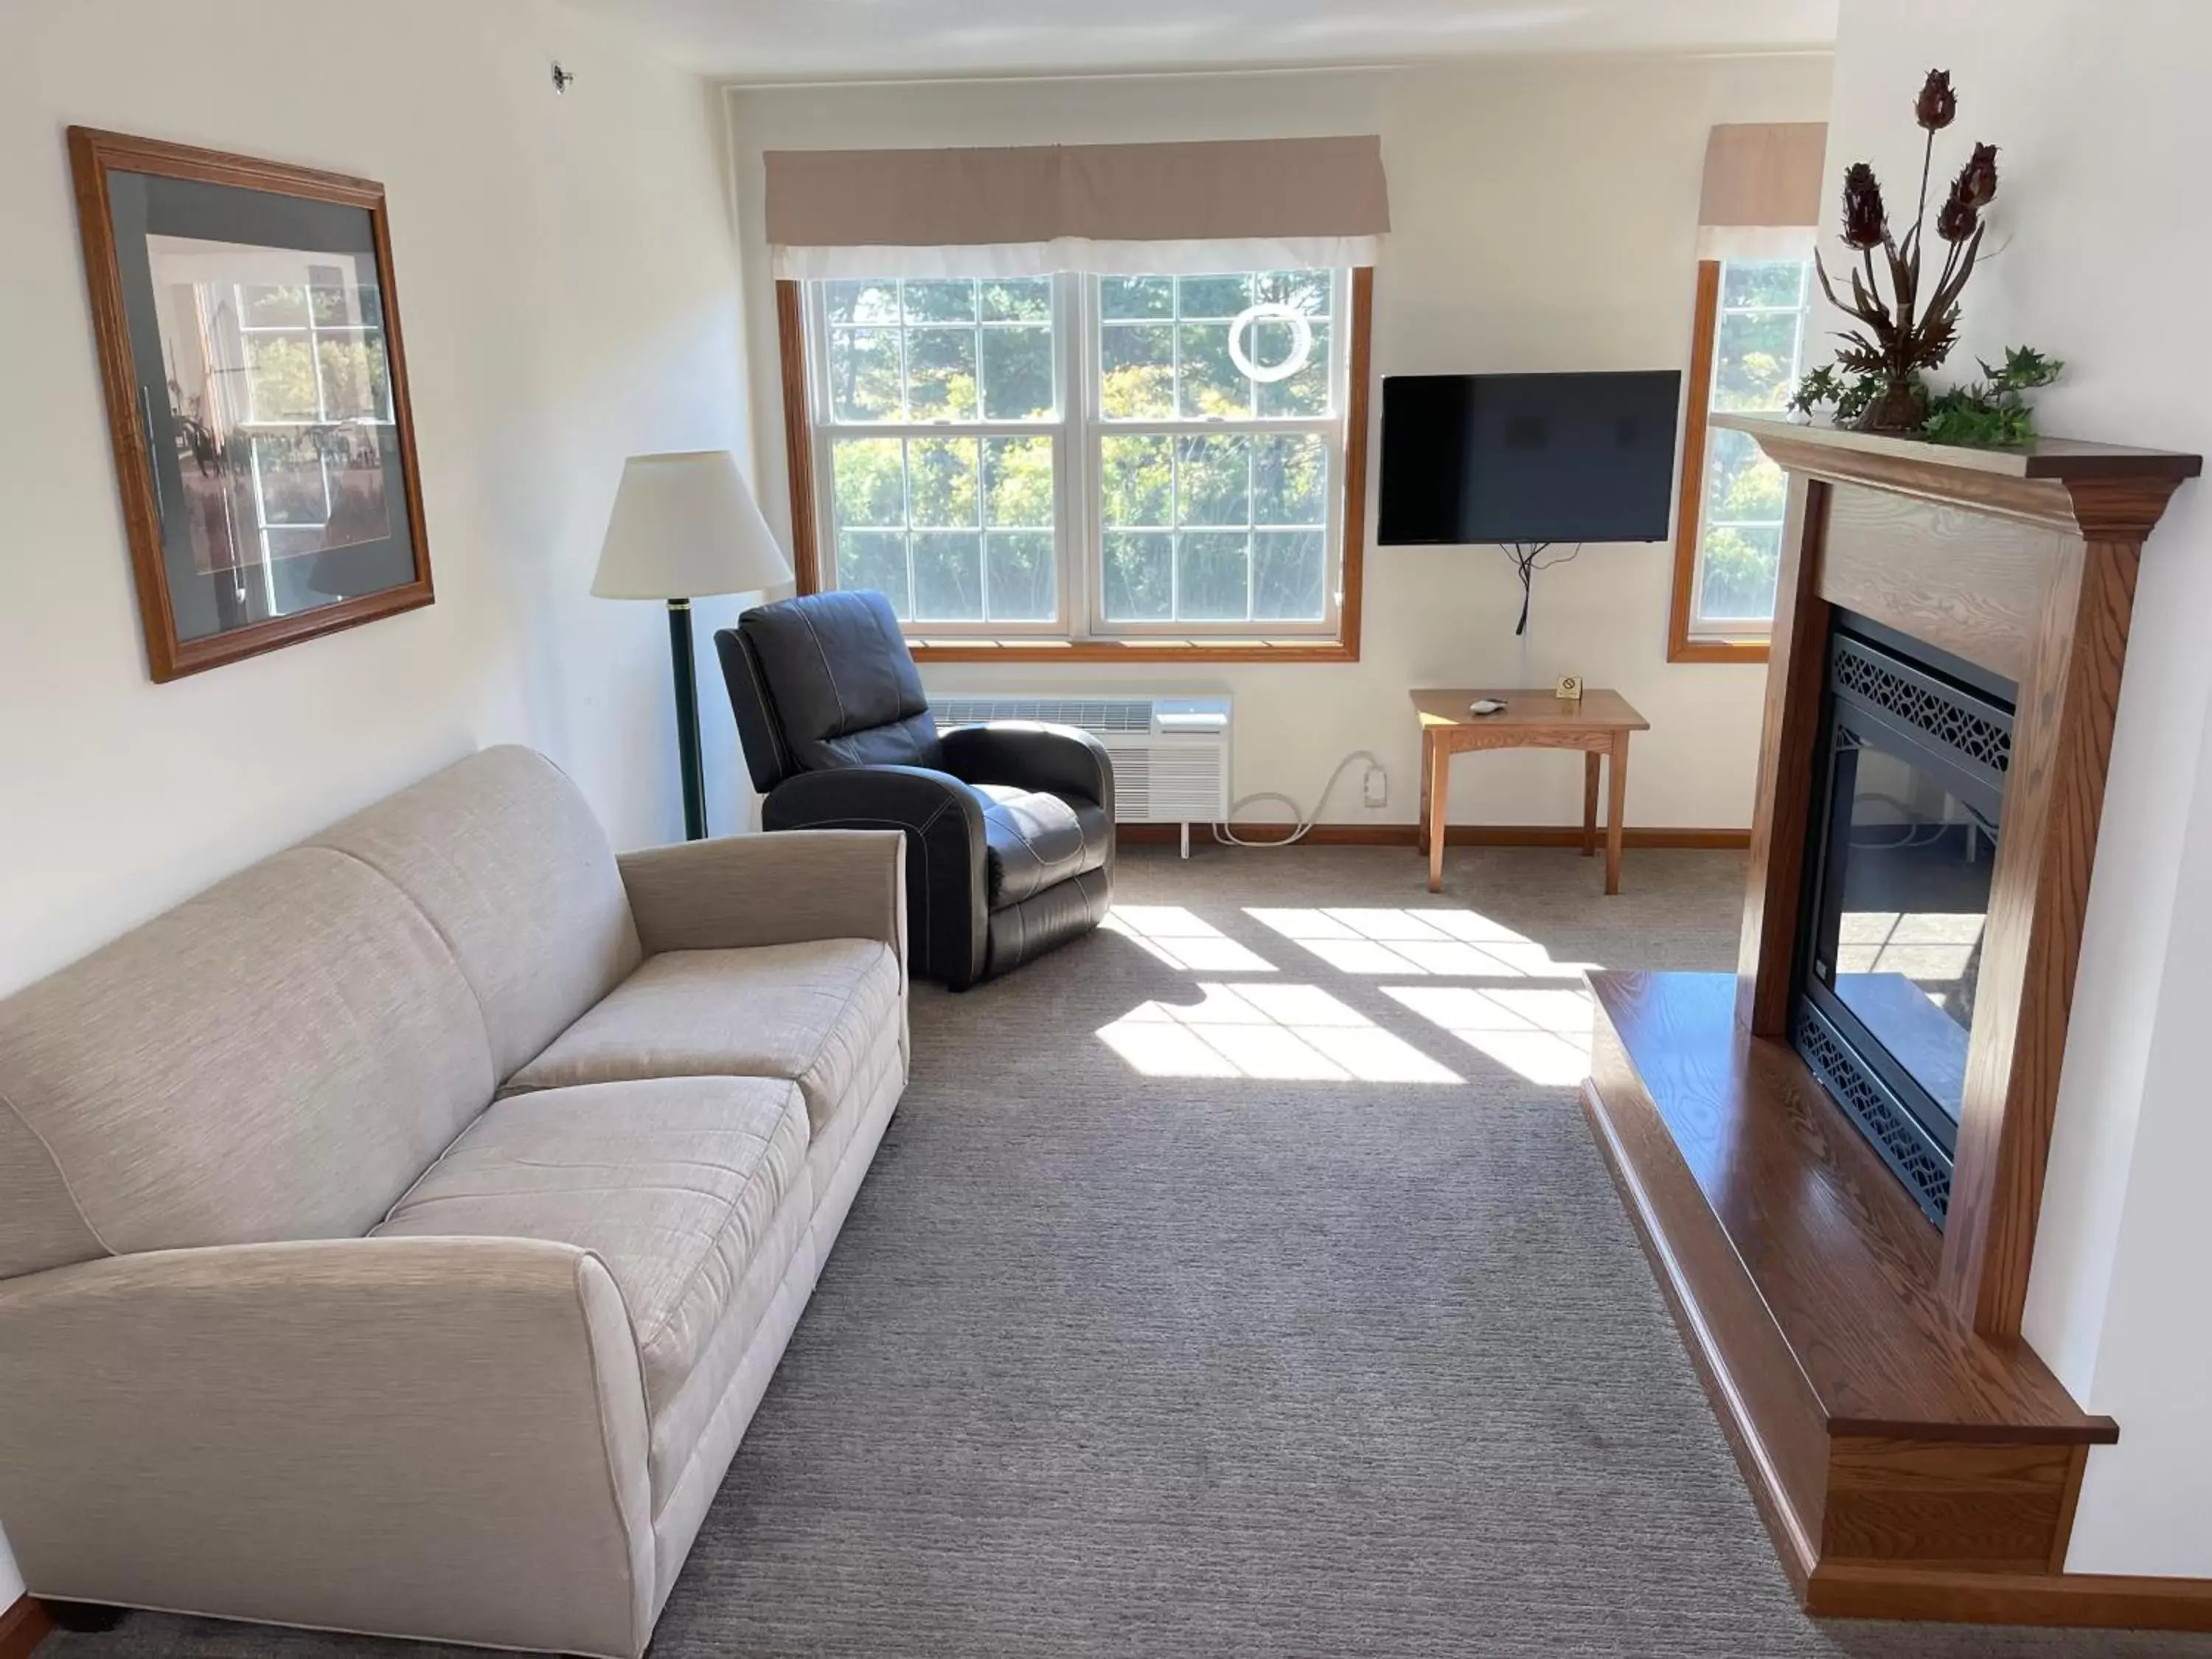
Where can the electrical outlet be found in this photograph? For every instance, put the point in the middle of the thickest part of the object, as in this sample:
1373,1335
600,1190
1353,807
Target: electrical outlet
1377,787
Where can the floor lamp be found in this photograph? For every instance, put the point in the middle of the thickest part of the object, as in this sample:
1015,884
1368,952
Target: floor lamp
684,527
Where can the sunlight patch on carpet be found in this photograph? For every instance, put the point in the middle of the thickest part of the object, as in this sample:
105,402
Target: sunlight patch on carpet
1462,944
1178,938
1290,1033
1542,1034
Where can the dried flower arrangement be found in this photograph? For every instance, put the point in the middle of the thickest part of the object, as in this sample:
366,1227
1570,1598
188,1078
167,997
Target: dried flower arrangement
1876,381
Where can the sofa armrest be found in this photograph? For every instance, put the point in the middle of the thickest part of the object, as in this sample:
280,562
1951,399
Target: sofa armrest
443,1439
1058,760
742,891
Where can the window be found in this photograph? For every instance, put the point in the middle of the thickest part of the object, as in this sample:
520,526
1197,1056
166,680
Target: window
940,429
1103,463
1750,351
1216,444
318,409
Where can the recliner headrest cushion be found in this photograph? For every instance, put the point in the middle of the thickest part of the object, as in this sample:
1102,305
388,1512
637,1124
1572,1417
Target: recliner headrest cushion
845,687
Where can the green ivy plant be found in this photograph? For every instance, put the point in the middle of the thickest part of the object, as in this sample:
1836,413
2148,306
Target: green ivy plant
1991,413
1849,389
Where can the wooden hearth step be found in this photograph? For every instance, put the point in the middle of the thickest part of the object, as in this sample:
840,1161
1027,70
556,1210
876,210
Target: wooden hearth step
1877,1430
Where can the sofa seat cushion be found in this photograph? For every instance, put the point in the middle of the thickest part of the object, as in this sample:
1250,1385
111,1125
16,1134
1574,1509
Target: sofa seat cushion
675,1184
811,1013
1034,841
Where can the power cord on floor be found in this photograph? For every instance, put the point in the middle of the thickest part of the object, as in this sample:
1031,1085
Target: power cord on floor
1223,832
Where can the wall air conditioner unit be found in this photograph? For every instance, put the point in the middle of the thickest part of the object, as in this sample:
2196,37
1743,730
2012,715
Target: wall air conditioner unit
1171,753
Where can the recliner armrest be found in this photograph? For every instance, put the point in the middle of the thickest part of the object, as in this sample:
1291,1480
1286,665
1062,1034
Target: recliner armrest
739,890
444,1438
1057,759
948,891
895,797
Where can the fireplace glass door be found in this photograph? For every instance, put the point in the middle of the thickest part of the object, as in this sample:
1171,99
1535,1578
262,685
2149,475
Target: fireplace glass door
1909,814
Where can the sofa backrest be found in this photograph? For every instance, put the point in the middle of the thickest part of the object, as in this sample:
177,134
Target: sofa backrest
282,1055
502,854
278,1058
837,682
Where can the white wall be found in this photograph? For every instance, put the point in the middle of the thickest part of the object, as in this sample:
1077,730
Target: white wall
567,280
1545,214
2101,122
569,284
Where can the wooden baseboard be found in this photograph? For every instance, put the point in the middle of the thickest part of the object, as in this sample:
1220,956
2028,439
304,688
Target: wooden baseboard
22,1627
2079,1600
1459,835
2097,1600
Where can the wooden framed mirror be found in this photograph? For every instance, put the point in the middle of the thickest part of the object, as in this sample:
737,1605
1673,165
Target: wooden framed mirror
248,329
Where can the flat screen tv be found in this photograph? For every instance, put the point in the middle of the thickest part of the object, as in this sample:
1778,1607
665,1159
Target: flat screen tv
1527,457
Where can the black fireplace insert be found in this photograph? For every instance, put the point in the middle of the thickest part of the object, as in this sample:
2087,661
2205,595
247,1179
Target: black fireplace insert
1908,806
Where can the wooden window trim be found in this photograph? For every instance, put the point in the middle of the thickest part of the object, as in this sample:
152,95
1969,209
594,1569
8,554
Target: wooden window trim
1689,504
797,435
805,531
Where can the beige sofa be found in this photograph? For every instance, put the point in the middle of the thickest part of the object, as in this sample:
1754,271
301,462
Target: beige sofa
399,1237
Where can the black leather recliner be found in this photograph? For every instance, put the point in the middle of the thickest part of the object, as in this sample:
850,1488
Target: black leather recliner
1009,826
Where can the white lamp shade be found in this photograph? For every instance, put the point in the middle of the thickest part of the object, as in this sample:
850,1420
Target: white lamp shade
684,524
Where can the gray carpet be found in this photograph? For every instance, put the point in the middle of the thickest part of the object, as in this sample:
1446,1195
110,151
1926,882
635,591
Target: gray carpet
1113,1359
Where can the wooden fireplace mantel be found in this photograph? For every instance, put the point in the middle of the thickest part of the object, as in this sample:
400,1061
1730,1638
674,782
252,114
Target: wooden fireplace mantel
2097,490
1898,1434
2022,562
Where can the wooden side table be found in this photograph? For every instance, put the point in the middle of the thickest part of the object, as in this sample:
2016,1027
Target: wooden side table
1598,724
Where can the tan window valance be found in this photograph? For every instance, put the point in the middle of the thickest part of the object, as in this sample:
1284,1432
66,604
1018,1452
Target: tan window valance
1235,204
1762,191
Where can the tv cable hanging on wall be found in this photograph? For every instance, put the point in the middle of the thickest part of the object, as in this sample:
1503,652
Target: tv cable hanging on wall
1528,559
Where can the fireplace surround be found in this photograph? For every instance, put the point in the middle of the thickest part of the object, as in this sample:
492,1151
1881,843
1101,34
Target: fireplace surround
1834,1156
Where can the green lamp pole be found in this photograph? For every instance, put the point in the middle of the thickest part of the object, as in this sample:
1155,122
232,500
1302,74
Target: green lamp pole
684,526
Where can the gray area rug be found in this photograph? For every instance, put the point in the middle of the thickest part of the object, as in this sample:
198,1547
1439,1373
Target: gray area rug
1246,1282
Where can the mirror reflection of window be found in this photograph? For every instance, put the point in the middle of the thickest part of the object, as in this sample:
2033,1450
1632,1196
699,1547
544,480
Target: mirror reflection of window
280,398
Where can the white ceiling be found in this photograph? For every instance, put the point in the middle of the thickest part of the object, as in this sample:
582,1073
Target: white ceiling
787,39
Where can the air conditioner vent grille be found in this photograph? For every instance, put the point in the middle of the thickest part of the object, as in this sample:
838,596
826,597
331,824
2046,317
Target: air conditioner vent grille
1168,783
1179,774
1092,713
